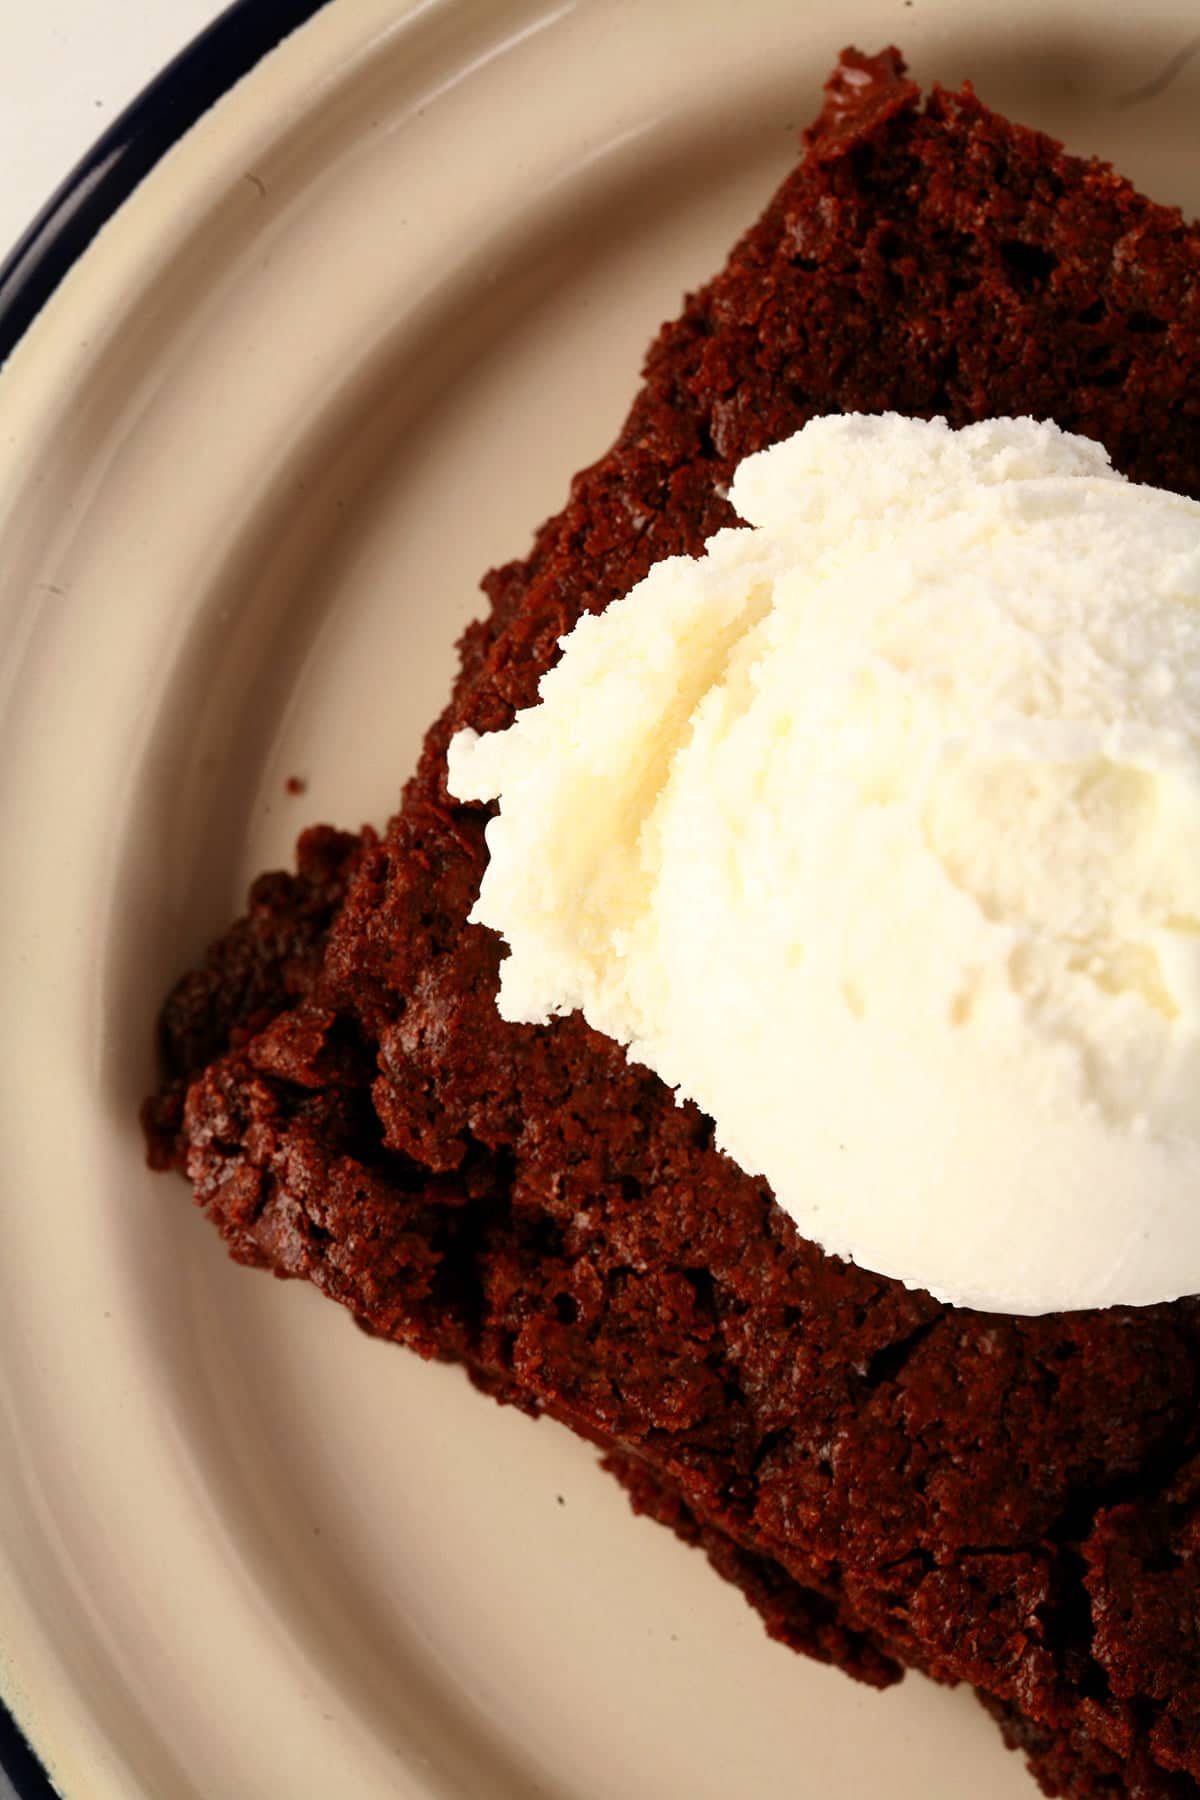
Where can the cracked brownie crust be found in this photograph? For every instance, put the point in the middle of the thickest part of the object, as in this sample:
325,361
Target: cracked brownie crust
1013,1503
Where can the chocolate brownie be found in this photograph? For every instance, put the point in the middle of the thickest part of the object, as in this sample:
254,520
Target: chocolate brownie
893,1483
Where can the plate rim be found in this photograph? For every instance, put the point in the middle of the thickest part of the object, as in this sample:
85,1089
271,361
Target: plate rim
160,114
165,109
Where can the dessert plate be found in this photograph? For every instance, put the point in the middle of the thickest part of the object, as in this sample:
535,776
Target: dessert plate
339,352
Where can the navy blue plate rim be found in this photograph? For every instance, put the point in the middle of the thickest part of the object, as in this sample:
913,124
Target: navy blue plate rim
207,68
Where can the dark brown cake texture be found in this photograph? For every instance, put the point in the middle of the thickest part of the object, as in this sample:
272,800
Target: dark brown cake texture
1013,1503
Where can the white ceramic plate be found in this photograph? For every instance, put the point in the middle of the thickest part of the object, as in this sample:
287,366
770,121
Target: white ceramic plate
340,353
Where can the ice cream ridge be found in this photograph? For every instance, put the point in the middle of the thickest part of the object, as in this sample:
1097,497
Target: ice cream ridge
875,831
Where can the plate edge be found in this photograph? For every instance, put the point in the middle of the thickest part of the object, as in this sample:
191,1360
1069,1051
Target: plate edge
206,68
165,109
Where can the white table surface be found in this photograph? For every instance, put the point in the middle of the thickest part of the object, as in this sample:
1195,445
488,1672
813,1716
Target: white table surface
69,68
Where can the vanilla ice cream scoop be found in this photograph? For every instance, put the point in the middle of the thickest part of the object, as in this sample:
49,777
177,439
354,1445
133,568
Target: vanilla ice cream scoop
875,831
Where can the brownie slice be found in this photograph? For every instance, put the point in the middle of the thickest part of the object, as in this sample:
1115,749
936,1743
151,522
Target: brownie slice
893,1483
